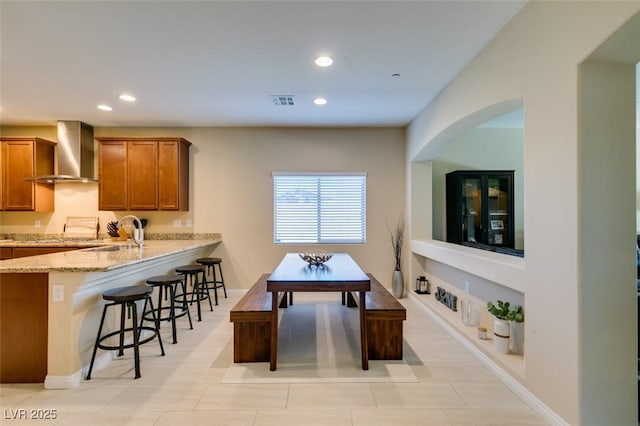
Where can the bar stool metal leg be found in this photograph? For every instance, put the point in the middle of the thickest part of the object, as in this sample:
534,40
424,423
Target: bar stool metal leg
123,310
216,282
172,311
95,346
185,307
215,286
136,339
156,321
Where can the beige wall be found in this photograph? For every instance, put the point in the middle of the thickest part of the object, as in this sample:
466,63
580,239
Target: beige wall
535,60
231,190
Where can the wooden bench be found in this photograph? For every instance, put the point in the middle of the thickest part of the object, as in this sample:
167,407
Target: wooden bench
385,316
251,318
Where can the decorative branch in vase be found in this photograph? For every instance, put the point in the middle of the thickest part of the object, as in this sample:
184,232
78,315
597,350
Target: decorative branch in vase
397,240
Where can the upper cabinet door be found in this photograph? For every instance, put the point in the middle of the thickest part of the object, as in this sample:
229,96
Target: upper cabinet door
22,159
112,175
142,175
173,175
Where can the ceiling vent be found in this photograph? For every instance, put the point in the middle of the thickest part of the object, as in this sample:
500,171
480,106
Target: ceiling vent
282,100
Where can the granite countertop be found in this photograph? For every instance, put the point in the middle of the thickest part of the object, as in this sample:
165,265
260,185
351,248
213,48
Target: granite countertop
104,257
58,242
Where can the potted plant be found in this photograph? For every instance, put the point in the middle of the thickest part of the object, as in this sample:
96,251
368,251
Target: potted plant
501,328
397,239
516,323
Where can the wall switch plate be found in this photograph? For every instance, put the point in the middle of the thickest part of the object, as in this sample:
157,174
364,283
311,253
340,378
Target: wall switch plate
188,223
466,286
58,293
177,223
36,223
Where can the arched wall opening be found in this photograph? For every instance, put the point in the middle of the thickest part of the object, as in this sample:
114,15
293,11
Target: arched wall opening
594,378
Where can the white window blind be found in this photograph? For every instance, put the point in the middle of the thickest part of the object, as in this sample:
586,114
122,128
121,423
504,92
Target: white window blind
319,208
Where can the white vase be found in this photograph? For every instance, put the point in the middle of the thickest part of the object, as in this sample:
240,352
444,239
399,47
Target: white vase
516,339
501,336
397,285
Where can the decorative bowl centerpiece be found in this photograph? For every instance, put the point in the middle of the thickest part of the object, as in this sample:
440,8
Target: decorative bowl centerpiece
315,259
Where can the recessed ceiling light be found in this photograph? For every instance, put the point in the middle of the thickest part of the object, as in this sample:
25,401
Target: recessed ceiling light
320,101
323,61
127,98
104,107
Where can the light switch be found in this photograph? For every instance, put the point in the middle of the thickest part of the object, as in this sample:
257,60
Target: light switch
36,223
177,223
188,223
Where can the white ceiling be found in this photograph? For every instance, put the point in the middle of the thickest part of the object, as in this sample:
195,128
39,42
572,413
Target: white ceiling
215,63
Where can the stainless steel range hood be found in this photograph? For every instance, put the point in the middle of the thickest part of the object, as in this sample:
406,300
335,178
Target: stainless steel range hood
74,154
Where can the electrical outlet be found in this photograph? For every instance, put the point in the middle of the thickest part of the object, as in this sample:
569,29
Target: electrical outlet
188,223
58,293
177,223
466,286
36,223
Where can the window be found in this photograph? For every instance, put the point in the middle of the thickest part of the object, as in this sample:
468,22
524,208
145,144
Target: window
320,208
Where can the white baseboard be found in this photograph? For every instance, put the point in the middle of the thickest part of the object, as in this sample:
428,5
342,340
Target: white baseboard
73,380
63,382
514,385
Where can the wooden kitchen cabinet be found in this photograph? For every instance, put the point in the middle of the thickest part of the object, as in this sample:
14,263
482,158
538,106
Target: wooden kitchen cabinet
37,251
6,253
24,326
24,158
112,175
173,175
140,173
16,252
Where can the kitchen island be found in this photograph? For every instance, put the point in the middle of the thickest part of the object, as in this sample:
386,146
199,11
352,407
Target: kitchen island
50,305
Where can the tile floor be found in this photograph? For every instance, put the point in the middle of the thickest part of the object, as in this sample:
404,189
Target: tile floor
185,387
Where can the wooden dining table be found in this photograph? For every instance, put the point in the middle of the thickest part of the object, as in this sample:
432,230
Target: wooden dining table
339,274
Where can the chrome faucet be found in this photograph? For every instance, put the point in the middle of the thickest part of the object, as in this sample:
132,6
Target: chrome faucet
137,236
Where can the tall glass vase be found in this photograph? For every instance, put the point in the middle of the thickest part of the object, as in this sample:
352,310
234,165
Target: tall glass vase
397,285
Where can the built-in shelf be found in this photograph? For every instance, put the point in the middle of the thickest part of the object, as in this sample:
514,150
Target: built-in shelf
503,269
452,322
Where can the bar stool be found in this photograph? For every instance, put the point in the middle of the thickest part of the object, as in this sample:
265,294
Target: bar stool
166,285
210,264
127,297
200,290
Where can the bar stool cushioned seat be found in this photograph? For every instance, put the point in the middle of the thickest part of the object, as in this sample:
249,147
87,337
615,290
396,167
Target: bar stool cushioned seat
210,264
166,285
127,297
